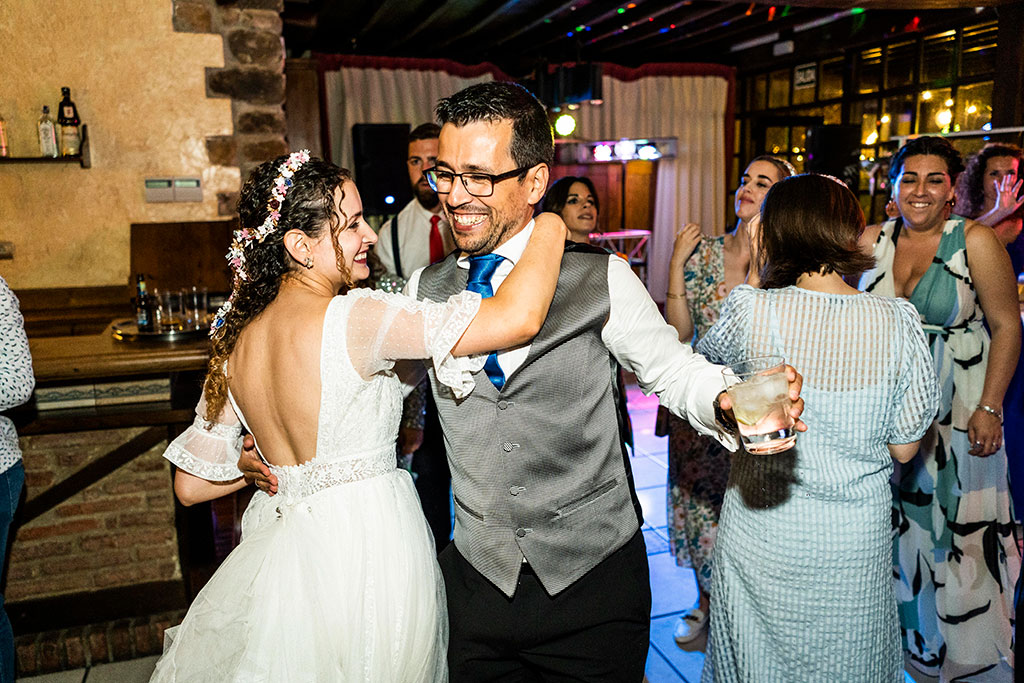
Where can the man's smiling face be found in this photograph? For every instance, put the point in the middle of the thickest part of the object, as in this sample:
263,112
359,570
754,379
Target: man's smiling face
480,224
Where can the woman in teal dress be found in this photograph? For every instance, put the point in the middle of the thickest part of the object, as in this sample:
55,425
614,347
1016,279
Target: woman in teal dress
801,582
702,272
956,560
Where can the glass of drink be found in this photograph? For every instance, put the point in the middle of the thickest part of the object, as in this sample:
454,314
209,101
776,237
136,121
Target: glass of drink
196,301
760,401
171,316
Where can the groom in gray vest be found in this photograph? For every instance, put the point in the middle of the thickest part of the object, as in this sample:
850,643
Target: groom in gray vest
547,578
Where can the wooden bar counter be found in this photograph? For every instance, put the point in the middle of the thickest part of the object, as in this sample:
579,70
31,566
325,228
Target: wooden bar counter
56,359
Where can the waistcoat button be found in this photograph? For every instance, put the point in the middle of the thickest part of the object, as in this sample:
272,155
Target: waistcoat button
507,446
502,405
516,490
520,532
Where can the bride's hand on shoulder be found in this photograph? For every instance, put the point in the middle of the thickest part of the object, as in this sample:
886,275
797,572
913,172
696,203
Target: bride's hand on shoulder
548,222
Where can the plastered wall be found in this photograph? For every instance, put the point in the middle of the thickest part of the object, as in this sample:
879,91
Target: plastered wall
141,89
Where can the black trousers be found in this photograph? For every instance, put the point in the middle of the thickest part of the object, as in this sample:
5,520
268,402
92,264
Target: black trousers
433,478
596,630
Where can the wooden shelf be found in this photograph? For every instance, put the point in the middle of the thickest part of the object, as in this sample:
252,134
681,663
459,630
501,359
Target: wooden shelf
83,159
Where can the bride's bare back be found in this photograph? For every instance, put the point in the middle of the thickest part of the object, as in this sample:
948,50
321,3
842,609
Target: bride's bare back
274,374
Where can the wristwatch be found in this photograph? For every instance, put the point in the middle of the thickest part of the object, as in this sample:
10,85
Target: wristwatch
723,418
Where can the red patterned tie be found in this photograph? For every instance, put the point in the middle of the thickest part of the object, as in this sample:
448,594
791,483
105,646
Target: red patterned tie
436,243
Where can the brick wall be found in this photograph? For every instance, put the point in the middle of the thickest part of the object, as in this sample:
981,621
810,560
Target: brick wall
117,532
85,646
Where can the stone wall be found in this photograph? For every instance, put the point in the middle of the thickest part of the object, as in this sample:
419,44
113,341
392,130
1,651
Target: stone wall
252,76
119,531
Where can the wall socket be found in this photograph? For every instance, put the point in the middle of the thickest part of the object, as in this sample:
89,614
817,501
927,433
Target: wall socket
6,250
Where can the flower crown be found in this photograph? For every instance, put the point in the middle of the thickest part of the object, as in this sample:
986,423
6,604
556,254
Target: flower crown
245,237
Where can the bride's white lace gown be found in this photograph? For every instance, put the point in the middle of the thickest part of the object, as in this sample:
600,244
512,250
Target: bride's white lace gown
335,578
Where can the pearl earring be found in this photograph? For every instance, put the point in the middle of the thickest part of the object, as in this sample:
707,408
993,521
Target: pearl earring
308,262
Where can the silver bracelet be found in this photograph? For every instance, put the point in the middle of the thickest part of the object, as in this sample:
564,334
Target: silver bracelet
991,411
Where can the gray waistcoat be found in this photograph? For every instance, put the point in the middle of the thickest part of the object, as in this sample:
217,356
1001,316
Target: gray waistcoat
538,469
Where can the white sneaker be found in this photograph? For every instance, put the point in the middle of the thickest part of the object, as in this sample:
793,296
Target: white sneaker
690,625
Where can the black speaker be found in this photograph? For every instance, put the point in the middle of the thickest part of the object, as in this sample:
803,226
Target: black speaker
835,150
380,151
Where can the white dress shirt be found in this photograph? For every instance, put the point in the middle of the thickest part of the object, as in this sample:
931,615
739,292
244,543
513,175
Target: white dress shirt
413,239
16,378
638,337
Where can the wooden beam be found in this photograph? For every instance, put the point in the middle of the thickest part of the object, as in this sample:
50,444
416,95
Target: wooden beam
90,474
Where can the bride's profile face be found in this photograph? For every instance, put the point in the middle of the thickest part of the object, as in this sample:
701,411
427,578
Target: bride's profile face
355,236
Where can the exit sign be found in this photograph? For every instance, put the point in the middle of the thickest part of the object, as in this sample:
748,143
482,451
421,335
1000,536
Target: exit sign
805,76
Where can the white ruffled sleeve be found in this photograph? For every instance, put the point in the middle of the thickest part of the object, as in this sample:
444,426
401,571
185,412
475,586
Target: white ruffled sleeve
209,449
387,327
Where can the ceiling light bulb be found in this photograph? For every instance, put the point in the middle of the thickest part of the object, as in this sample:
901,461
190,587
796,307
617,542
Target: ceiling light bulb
648,153
565,125
625,149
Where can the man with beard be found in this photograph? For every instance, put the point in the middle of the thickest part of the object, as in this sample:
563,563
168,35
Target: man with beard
547,578
419,234
417,237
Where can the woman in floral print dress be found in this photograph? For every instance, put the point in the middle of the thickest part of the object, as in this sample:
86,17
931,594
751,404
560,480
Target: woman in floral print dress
701,274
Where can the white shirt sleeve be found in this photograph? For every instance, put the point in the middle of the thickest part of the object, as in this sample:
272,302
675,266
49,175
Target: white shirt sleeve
16,378
643,343
383,247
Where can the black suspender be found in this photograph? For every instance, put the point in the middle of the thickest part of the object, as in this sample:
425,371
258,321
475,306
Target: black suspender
394,246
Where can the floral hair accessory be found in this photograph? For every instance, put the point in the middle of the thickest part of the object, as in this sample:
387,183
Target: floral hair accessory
245,237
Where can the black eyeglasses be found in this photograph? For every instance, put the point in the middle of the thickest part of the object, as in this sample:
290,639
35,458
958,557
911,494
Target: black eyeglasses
476,184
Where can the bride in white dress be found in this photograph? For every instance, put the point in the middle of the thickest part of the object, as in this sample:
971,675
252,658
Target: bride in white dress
335,578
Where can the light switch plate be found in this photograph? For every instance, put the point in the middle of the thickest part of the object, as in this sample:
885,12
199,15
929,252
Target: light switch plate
159,189
188,190
6,250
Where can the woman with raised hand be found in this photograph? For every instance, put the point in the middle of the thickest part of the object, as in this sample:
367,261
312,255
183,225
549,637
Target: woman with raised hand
956,558
702,272
335,578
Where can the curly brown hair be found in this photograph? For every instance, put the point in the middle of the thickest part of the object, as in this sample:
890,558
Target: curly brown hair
309,206
970,186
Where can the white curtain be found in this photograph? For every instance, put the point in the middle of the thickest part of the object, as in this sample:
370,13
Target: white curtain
690,188
373,95
691,108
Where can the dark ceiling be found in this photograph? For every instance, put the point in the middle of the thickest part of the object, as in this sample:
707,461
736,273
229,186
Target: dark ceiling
517,35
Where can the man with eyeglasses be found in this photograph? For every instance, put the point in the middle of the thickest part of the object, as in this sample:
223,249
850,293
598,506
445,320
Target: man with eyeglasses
547,578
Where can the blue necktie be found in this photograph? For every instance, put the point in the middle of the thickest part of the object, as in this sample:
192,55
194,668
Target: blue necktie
481,268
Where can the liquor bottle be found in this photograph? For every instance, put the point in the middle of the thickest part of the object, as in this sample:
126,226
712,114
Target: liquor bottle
47,134
144,305
67,119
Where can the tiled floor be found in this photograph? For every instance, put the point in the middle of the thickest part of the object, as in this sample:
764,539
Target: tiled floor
673,589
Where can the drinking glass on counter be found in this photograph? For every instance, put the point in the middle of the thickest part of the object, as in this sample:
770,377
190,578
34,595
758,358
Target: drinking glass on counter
760,401
196,302
169,313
